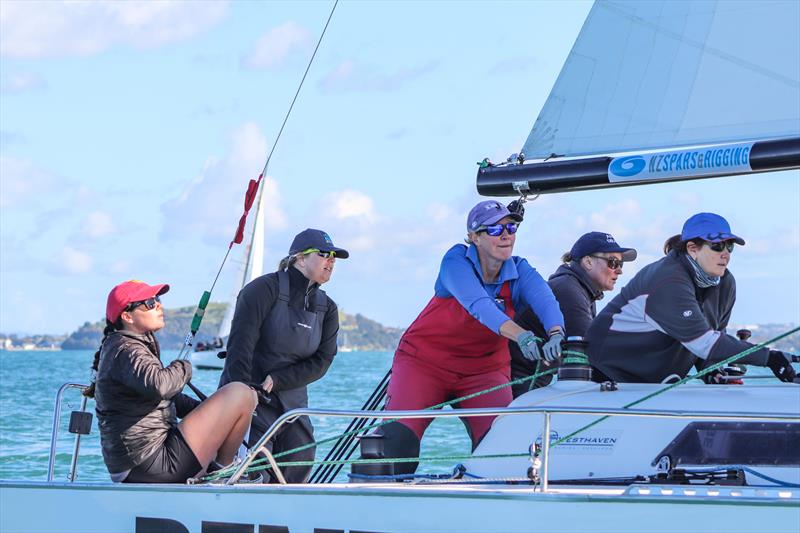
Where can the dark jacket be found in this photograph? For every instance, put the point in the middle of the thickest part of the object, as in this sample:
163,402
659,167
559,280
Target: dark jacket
249,359
576,294
137,399
662,323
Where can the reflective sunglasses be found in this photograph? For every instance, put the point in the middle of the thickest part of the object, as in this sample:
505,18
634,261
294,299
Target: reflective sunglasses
612,262
324,255
150,304
495,230
721,245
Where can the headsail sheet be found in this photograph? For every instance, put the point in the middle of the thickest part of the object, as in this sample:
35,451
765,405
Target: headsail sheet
655,74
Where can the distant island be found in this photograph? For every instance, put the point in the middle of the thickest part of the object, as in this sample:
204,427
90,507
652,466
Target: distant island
356,333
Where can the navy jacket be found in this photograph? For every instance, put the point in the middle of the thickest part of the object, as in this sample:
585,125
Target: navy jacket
661,324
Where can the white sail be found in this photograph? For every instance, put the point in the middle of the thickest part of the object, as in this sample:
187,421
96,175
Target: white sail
656,74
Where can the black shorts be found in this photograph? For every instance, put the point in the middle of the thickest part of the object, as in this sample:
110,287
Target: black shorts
175,462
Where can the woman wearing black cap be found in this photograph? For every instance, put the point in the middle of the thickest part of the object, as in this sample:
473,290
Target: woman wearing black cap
589,269
673,313
283,337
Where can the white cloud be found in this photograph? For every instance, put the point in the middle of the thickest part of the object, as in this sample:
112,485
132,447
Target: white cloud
22,82
22,182
68,28
211,205
275,46
73,261
349,204
98,224
349,76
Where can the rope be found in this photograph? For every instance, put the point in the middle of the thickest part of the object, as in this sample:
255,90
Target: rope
228,471
698,375
257,465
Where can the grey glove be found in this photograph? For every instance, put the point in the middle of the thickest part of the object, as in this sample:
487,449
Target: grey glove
552,348
529,346
781,365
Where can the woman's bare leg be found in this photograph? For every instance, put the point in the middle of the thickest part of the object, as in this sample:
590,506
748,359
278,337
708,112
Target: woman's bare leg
215,428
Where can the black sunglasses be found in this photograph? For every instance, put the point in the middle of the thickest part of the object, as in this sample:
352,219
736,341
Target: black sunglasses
721,245
495,230
150,304
612,262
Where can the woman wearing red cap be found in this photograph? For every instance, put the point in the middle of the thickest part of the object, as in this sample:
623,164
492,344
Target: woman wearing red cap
458,345
673,313
139,400
283,336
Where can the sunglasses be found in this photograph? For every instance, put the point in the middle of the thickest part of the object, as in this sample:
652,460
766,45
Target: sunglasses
722,245
324,255
612,262
495,230
150,304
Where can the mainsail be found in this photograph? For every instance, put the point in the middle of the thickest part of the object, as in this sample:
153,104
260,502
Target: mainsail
679,90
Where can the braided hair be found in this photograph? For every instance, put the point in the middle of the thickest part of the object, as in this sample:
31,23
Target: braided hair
110,328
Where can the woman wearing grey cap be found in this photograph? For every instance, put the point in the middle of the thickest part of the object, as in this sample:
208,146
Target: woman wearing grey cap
589,269
673,313
283,337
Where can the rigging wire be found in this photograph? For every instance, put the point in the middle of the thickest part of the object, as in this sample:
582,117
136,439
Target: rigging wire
253,187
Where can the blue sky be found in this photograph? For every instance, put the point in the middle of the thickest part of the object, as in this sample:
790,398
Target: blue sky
128,132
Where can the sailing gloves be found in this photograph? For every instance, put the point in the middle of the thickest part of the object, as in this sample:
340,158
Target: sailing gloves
552,348
529,345
781,365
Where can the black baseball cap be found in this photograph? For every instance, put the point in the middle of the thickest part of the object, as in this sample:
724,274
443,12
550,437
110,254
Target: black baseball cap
316,239
599,242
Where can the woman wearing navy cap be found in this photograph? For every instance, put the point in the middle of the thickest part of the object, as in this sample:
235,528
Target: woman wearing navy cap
589,269
458,345
283,337
673,313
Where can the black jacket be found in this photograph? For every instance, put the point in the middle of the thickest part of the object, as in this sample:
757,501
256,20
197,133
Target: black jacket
576,294
137,399
662,323
248,359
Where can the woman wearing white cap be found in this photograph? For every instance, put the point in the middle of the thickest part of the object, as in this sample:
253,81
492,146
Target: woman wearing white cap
673,313
283,337
139,399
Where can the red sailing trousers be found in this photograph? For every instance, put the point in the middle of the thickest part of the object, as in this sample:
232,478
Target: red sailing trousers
445,354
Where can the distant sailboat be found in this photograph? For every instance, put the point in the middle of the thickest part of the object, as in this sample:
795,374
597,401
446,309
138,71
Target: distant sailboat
206,355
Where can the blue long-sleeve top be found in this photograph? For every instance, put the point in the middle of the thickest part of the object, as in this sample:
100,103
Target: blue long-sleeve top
461,277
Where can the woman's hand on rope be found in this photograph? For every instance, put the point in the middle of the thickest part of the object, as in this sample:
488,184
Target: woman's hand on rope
552,348
781,366
529,346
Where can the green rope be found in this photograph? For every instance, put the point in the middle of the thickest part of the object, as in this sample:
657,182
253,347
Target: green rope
575,357
671,386
227,471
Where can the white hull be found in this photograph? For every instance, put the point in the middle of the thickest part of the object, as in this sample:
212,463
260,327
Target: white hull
207,360
108,508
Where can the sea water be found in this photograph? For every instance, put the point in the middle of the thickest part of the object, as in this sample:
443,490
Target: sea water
29,381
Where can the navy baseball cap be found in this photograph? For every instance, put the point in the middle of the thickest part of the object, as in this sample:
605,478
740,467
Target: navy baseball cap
709,227
599,242
487,213
316,239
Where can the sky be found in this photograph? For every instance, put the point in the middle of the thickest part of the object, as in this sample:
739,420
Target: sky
129,131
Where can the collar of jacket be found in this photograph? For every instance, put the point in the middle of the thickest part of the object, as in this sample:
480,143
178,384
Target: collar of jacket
148,339
576,271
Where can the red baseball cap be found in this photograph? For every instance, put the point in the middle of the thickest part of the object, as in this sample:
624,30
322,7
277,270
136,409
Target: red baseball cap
130,291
